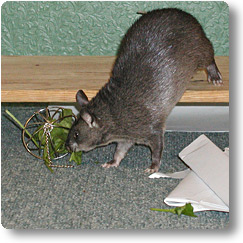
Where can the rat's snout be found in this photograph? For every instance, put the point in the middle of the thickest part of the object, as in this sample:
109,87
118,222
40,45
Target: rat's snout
67,146
71,146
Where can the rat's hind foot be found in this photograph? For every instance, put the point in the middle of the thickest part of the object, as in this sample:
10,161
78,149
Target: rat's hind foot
111,163
214,75
153,168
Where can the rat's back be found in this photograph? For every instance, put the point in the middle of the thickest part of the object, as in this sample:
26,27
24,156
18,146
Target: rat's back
158,56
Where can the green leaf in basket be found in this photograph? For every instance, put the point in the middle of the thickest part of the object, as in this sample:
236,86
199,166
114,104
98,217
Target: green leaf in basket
57,138
46,160
67,121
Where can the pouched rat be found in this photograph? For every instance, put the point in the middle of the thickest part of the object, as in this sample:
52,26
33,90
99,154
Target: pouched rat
156,59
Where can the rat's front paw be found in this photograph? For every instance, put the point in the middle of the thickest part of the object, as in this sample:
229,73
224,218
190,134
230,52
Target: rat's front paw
112,163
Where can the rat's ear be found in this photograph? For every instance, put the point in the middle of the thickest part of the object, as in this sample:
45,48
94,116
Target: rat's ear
90,119
81,98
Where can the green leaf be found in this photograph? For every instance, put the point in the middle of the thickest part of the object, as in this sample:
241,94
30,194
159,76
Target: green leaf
186,210
58,134
66,118
59,145
46,160
21,126
76,157
41,136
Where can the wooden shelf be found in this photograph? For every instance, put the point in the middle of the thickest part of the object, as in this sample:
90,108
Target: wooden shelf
58,78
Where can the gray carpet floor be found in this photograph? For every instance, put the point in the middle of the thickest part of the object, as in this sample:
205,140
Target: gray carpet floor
88,196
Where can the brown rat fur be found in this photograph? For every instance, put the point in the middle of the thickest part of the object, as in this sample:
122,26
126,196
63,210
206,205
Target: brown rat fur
156,59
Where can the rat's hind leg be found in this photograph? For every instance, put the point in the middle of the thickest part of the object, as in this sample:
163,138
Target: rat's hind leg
157,146
121,151
214,75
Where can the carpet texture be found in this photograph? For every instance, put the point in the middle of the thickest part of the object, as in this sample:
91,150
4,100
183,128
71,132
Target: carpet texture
89,196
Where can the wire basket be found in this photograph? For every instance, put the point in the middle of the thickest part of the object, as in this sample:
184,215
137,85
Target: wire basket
40,125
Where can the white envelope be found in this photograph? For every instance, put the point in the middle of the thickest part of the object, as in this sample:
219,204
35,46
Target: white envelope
206,185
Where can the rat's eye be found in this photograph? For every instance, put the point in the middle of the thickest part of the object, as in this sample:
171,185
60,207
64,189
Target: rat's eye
75,135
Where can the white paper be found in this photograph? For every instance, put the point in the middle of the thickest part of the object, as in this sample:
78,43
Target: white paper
175,175
193,190
206,183
210,164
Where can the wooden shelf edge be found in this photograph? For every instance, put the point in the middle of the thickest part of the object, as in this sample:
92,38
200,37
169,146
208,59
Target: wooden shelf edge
50,72
68,96
212,96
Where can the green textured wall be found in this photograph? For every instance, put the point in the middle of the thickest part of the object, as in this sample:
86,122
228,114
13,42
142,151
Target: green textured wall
93,28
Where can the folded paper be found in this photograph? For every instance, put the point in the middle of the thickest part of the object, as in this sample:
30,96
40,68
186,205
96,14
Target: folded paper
206,183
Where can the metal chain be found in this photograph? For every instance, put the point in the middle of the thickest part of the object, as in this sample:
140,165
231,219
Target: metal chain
47,132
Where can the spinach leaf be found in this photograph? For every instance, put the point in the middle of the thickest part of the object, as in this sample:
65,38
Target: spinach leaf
186,210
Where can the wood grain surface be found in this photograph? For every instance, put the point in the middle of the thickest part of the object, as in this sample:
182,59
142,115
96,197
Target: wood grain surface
58,78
